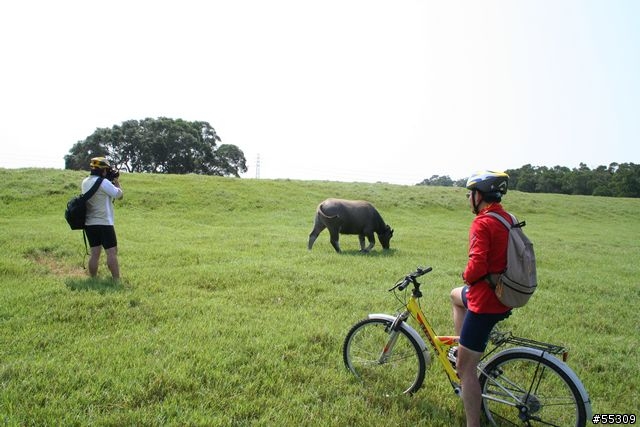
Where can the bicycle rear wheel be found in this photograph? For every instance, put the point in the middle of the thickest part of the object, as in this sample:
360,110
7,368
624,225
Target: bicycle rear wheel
522,388
402,370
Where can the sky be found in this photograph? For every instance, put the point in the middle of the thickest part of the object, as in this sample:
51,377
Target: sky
340,90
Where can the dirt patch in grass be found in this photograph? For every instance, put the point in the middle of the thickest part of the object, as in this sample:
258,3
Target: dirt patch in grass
55,265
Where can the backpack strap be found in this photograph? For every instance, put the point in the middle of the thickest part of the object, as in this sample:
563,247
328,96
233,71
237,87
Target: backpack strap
89,194
86,196
86,247
492,278
502,220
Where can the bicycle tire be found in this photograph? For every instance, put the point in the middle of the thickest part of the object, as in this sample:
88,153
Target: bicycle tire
404,370
530,390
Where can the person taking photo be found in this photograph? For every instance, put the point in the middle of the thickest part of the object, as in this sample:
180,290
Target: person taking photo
99,223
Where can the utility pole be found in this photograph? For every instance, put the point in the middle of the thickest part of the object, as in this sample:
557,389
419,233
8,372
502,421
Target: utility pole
258,167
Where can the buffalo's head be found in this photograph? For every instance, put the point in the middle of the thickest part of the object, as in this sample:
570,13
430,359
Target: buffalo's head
385,236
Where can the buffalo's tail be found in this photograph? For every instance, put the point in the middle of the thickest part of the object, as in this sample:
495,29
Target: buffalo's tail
324,215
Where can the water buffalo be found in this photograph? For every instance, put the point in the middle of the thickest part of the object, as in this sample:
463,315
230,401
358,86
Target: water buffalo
350,217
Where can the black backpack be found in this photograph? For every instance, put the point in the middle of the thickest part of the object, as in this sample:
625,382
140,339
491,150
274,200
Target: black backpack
76,212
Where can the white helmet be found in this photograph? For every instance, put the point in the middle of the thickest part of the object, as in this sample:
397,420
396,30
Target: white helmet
488,182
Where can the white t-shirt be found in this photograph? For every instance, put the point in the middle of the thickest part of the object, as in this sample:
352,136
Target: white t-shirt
100,206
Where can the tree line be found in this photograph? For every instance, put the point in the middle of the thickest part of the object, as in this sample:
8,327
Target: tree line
161,145
615,180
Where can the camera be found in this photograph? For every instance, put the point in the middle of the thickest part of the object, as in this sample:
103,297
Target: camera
112,174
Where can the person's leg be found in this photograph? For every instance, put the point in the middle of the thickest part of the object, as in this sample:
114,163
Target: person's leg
467,365
93,234
112,262
474,337
94,260
110,243
459,308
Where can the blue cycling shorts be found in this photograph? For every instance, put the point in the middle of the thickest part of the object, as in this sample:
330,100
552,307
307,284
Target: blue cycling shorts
477,326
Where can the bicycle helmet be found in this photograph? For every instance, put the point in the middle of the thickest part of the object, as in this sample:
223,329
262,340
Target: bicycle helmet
99,163
489,182
492,185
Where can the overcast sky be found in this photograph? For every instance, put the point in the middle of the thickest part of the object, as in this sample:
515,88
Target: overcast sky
349,90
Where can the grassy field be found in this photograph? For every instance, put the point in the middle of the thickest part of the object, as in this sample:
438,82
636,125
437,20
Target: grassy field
223,317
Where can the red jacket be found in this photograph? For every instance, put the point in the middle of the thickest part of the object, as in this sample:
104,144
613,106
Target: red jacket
488,239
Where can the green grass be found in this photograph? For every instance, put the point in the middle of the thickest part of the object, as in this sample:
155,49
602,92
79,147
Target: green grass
223,317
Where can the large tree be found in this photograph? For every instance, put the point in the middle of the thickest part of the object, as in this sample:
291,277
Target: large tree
160,145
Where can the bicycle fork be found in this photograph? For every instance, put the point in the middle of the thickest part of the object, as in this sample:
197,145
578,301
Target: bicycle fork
394,331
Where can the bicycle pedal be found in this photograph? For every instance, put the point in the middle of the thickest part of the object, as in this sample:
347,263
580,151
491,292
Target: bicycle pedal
452,355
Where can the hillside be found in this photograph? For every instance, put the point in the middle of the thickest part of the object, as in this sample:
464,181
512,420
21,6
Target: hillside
224,317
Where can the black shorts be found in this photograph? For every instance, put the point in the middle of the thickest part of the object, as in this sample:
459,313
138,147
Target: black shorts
477,326
101,235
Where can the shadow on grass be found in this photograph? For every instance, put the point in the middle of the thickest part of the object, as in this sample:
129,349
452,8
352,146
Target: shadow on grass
372,253
92,284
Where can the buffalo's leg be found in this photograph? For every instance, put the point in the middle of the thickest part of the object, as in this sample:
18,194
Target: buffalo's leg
317,229
372,242
335,239
361,238
312,239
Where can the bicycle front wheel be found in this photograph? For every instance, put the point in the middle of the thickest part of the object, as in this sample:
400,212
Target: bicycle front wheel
401,369
520,388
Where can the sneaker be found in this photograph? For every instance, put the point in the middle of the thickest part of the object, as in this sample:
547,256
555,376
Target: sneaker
452,355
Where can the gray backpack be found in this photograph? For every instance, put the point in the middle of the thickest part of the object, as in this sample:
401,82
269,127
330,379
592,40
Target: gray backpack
518,282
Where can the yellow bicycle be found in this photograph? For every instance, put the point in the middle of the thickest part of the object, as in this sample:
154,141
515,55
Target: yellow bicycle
523,381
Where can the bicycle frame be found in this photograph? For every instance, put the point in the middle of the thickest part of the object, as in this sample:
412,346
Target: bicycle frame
440,343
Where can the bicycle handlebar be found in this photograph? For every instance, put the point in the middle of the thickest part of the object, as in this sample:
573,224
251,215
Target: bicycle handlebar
411,278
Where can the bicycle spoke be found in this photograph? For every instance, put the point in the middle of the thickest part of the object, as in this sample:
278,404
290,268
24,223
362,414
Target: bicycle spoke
505,420
538,420
536,384
388,363
526,389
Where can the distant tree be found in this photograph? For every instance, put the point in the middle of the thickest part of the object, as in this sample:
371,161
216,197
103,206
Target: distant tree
82,151
552,180
437,180
626,180
231,160
581,180
545,182
615,180
160,145
526,179
601,179
462,182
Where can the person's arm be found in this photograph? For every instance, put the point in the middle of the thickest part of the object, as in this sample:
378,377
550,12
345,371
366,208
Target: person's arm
113,188
479,246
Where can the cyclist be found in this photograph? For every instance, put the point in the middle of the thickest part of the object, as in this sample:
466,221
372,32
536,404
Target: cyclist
99,223
476,309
